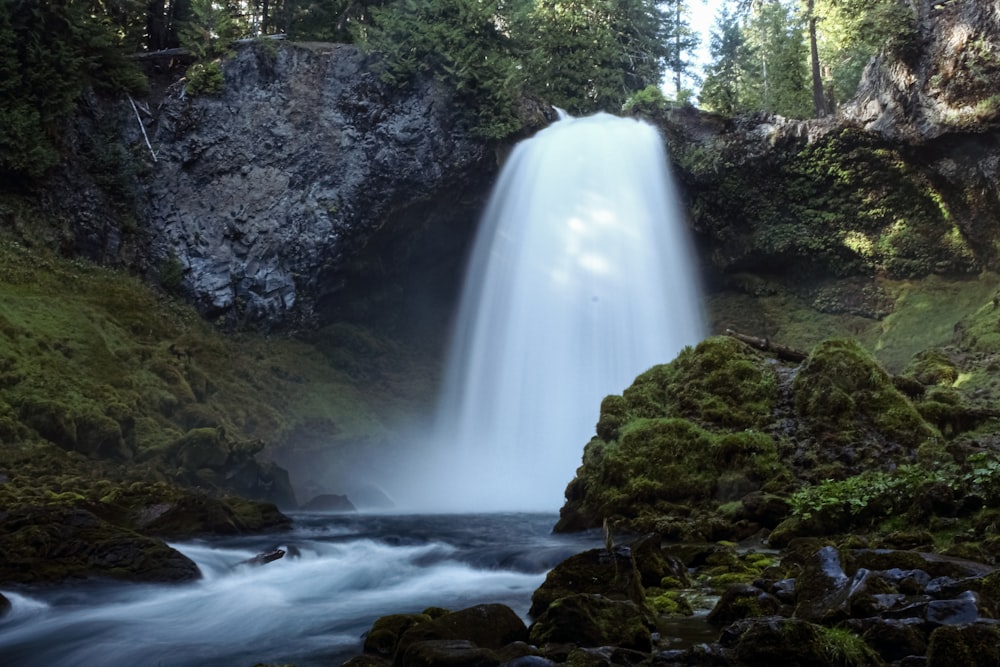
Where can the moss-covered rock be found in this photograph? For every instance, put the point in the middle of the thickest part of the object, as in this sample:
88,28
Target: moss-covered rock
383,637
613,575
843,392
593,620
972,645
48,544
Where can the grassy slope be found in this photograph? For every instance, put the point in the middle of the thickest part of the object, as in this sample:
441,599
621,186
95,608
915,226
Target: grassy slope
95,361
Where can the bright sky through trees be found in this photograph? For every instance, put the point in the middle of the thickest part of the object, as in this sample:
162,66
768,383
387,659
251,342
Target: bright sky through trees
702,18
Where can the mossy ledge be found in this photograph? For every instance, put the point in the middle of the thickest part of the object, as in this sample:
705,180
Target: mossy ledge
126,419
727,442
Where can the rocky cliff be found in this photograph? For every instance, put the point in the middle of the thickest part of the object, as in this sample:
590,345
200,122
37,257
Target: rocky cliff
264,194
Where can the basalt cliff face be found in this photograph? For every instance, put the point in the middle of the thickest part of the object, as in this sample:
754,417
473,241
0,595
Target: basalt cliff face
267,194
819,227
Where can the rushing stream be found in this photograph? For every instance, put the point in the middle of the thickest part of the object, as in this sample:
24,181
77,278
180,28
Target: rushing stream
310,610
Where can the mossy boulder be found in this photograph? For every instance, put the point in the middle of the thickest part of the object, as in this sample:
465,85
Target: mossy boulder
594,620
971,645
485,626
685,434
790,642
447,653
597,571
383,637
719,381
202,448
845,396
48,544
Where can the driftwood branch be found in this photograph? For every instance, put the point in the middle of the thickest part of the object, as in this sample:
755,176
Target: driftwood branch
163,53
781,351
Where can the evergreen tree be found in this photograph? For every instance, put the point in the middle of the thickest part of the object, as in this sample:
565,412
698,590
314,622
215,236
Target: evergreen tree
721,89
586,55
50,52
681,40
459,42
775,60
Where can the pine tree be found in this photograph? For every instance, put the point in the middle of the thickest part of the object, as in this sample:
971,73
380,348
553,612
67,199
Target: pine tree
721,89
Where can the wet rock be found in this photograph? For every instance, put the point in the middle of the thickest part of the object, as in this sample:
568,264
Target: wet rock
893,639
653,564
487,626
529,661
594,572
264,558
594,620
383,637
935,565
45,544
973,645
790,642
740,601
446,653
4,605
822,589
961,611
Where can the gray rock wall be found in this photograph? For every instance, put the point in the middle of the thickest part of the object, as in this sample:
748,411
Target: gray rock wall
266,192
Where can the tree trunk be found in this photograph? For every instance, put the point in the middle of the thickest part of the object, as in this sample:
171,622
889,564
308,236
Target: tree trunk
819,100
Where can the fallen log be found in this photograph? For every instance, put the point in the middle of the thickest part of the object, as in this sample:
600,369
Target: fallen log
765,344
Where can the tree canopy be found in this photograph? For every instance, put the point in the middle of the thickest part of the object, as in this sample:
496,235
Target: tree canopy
793,57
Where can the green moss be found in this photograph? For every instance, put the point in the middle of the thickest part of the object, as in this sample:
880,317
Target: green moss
720,381
842,390
843,647
669,603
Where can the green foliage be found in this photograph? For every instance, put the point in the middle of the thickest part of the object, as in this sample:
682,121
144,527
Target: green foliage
723,78
589,55
171,273
459,42
205,79
852,31
49,53
209,31
842,390
861,500
843,647
647,102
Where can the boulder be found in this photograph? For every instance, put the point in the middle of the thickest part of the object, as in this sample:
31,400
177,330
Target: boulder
793,642
612,575
49,544
740,601
594,620
446,653
486,626
383,638
972,645
4,605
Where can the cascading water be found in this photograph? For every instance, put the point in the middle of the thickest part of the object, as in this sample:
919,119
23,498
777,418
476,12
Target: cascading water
581,278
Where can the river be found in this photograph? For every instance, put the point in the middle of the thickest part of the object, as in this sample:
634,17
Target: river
307,610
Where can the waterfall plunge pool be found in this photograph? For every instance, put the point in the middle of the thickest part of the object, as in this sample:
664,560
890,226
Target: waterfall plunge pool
308,611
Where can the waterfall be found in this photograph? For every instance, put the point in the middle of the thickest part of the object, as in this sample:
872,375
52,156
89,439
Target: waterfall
581,278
